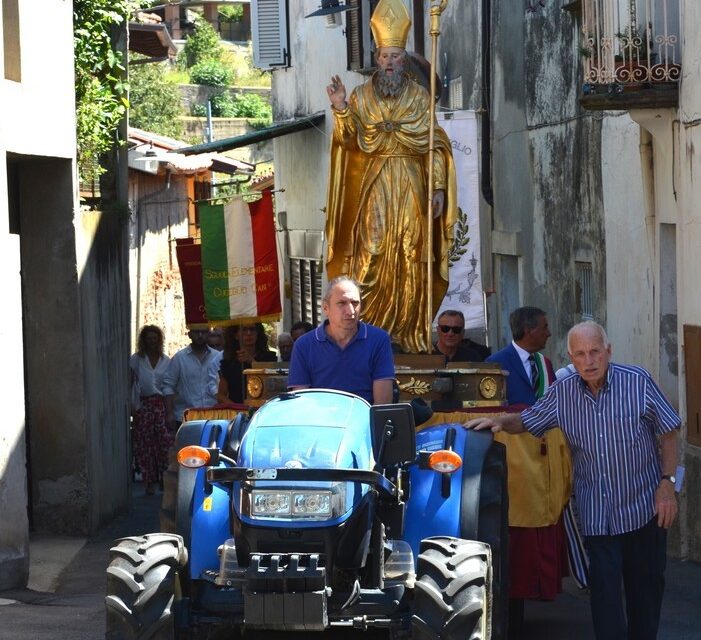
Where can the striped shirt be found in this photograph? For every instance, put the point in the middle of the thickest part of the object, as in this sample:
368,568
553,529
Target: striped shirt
613,440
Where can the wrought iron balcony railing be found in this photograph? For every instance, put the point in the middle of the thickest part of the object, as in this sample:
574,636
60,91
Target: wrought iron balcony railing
631,45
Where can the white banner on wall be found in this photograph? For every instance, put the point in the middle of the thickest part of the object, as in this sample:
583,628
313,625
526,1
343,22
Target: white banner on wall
465,270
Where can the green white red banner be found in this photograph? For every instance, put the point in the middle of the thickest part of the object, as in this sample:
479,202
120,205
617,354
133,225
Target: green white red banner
240,276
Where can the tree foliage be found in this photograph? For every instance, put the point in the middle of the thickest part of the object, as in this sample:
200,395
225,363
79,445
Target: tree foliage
231,12
211,73
100,88
154,102
202,45
251,105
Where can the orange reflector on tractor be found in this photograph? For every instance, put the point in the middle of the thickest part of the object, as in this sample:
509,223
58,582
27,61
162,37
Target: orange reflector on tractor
193,457
444,461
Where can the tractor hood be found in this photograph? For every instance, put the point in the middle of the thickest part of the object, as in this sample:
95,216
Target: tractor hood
309,429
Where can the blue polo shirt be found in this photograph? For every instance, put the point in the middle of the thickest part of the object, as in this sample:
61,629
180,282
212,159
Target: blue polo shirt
318,362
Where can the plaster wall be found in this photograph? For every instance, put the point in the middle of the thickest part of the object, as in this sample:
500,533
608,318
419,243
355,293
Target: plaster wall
159,215
455,50
14,531
104,319
39,111
27,127
546,180
686,137
630,259
56,403
651,197
302,159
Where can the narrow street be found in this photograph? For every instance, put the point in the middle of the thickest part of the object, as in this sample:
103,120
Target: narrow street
73,576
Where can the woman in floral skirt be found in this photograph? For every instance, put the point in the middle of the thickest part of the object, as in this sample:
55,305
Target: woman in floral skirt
150,436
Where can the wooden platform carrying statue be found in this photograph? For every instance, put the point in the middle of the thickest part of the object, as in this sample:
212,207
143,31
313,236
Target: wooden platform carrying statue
378,190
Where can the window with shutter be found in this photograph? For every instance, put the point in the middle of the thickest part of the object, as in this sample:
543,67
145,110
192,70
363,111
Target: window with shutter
269,30
305,276
358,35
359,41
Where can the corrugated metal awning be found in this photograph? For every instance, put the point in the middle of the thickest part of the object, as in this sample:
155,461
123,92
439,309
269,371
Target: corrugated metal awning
151,153
273,131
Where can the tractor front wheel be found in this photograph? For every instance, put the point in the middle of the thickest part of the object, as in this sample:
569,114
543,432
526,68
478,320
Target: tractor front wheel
452,590
143,585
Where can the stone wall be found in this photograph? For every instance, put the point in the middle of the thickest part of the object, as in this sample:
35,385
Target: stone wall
195,131
191,94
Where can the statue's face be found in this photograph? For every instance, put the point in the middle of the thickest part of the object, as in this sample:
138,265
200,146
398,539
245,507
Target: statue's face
391,59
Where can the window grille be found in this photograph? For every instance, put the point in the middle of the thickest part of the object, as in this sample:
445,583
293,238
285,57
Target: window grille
455,86
584,290
306,280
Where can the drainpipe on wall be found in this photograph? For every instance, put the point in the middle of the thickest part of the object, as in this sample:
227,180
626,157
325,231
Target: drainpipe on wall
485,110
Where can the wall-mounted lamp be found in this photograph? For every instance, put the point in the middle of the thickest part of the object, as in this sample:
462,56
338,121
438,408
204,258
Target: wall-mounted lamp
332,9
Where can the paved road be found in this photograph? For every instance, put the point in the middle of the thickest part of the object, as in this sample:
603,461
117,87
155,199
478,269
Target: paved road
69,605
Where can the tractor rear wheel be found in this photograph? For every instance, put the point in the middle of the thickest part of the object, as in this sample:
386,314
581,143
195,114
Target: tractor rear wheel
452,590
143,585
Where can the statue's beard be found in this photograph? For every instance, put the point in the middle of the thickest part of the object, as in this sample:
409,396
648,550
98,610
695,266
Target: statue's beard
390,83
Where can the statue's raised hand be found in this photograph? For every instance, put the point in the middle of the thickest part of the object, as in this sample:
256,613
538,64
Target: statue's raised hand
337,93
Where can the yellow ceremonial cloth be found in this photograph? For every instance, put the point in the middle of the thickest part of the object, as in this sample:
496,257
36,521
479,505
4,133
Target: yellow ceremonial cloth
539,485
212,413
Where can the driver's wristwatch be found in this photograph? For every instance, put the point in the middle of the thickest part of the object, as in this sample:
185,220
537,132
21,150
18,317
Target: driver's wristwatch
672,479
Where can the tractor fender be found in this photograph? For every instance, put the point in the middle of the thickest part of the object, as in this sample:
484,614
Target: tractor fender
202,510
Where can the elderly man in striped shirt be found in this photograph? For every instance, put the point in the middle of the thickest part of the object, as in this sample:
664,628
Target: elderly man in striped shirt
623,436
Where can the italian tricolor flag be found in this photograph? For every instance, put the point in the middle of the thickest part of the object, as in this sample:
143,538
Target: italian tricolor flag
239,261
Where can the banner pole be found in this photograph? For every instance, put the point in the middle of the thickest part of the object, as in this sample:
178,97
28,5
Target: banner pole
434,31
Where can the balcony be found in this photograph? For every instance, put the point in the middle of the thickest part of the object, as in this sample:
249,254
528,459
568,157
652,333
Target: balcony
631,54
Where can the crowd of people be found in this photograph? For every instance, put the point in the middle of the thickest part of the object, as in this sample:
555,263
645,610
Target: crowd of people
207,372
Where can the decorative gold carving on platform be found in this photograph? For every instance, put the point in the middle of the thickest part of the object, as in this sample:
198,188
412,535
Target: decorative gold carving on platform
415,387
488,387
471,404
255,386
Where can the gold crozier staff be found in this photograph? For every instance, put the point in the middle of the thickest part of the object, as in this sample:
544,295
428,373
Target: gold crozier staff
435,31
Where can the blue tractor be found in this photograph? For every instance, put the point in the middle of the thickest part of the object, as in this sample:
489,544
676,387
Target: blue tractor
320,511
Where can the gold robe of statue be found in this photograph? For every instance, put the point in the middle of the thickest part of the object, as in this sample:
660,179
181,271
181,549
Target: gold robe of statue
377,207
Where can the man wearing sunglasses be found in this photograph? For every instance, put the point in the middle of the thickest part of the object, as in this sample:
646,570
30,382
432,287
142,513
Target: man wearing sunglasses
451,330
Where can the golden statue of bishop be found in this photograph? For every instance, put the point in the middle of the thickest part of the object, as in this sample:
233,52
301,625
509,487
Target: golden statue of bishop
378,197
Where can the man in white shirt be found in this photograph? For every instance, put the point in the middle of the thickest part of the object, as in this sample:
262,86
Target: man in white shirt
192,378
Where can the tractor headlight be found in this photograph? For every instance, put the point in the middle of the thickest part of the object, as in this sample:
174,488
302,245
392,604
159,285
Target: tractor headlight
312,503
303,504
270,503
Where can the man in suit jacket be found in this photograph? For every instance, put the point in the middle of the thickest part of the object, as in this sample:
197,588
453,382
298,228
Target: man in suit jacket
539,472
